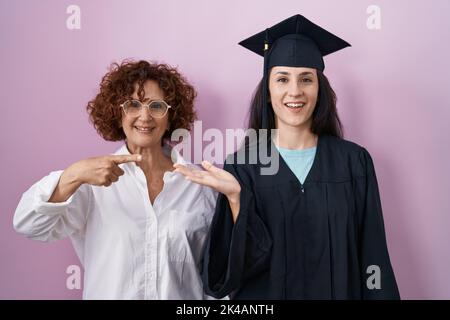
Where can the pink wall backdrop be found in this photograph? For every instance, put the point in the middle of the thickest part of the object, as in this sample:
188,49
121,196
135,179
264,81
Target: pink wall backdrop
392,87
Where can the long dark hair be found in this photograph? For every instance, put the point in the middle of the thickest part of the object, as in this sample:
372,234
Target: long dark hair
325,119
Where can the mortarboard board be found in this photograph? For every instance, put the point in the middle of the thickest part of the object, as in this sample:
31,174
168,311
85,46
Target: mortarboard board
294,42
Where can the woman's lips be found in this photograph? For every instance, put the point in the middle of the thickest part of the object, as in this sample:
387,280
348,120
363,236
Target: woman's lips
144,129
295,105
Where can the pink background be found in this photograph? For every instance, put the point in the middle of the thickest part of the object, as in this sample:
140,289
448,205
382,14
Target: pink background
392,87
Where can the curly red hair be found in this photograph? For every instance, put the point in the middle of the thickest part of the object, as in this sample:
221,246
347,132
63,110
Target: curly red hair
119,84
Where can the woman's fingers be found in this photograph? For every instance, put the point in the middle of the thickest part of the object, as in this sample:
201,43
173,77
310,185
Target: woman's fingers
124,158
184,170
117,170
106,183
209,166
113,178
187,171
195,175
196,179
204,179
211,170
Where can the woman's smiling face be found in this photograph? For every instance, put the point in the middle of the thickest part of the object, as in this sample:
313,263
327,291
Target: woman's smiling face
293,95
144,130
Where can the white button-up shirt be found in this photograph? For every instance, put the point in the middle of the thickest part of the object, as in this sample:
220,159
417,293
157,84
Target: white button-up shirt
129,248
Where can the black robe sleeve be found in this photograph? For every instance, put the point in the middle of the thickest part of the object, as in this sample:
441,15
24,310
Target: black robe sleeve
373,251
235,251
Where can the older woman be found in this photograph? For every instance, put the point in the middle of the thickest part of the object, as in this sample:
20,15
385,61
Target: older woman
138,227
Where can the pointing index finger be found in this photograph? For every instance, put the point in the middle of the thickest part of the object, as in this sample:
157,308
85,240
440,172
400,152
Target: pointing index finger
124,158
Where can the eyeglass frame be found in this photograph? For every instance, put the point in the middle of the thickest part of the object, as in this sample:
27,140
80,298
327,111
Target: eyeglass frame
147,105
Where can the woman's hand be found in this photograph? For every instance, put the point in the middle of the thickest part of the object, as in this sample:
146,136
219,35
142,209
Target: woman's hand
218,179
99,171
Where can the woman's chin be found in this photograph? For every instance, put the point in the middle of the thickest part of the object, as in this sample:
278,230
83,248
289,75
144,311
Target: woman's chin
144,142
297,123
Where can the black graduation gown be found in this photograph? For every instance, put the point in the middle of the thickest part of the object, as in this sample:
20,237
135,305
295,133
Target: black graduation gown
310,241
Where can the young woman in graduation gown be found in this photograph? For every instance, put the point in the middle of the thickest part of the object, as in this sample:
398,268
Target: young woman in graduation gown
314,229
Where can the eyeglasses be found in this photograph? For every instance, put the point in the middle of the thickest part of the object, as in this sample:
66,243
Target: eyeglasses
157,108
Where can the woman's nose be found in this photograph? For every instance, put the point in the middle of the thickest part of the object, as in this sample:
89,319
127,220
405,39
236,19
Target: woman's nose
295,89
145,113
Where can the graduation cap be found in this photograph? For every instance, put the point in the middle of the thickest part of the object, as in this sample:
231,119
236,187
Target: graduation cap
294,42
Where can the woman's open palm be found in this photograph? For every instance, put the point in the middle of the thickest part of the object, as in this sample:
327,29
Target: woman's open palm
216,178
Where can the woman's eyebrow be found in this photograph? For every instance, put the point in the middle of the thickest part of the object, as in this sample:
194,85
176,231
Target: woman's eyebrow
283,73
147,99
300,74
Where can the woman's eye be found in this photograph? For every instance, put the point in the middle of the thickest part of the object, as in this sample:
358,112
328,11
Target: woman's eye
306,80
156,105
283,80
